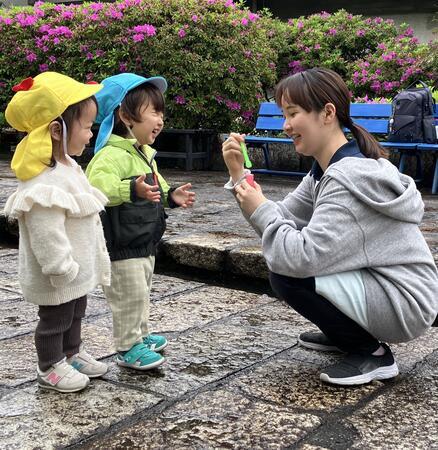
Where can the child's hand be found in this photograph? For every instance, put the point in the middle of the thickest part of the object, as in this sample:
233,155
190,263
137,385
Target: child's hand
250,198
146,191
182,196
233,156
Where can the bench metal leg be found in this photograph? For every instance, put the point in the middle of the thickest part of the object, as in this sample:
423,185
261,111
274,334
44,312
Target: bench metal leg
435,177
419,168
266,155
189,152
402,163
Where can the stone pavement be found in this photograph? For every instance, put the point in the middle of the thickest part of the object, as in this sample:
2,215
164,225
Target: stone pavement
234,375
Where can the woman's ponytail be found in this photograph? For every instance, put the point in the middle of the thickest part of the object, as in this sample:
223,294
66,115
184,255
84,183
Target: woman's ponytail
367,143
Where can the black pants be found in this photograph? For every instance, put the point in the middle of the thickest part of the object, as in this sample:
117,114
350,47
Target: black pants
58,333
344,332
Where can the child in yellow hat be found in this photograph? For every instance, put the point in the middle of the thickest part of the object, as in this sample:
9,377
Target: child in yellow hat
62,251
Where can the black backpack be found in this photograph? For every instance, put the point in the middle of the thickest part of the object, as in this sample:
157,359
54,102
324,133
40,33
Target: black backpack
412,117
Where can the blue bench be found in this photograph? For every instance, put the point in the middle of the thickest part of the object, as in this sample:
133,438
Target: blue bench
374,117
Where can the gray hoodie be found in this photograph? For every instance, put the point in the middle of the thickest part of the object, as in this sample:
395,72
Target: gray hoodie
362,215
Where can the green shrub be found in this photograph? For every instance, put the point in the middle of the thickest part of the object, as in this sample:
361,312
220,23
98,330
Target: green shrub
219,58
375,57
214,53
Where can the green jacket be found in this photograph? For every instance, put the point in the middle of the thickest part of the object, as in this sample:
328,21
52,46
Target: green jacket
112,168
133,226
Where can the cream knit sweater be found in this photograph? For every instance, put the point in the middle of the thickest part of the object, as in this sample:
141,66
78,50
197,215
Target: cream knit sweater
62,251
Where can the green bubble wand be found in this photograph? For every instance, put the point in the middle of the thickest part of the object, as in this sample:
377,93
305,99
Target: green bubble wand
248,163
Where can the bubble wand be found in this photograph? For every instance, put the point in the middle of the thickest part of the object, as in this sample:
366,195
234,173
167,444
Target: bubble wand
248,164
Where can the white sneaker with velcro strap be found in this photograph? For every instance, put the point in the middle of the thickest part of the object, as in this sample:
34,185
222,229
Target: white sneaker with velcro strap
86,364
62,377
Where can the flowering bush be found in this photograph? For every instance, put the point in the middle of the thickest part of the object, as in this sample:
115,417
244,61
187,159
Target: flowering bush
214,53
218,57
375,57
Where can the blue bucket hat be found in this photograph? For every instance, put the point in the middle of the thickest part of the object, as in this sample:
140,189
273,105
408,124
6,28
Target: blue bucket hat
109,98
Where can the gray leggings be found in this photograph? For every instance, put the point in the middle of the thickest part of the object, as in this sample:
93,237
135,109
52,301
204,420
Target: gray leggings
58,333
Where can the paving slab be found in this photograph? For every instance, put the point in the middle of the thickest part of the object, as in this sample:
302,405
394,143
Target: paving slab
223,419
405,417
34,419
234,376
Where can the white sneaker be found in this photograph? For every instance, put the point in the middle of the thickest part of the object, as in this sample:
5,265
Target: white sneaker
86,364
62,377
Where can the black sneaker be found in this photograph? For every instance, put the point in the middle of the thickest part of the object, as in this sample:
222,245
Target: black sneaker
317,341
360,369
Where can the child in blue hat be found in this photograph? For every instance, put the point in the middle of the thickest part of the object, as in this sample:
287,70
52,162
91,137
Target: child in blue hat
131,111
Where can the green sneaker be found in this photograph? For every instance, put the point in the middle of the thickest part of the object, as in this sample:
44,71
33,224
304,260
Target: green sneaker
155,342
139,357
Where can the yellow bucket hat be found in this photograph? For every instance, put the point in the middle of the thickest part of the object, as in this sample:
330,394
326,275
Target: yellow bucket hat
36,104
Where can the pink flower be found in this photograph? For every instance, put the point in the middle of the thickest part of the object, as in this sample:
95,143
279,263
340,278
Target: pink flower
247,115
43,67
317,46
94,17
253,17
67,14
244,21
300,24
233,106
148,30
123,67
52,59
138,37
89,55
325,14
231,69
181,33
360,33
229,3
332,31
195,18
378,20
247,53
31,57
180,100
8,21
96,6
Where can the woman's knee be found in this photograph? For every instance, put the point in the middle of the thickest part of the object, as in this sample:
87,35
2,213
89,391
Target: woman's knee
289,288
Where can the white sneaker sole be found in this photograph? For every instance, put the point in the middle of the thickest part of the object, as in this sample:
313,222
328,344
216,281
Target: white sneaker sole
137,367
50,387
319,347
95,375
382,373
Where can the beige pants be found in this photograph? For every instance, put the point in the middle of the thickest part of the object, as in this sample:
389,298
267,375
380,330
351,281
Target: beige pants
128,297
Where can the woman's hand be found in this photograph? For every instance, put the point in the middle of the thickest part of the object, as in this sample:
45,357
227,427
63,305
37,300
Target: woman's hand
232,155
147,191
250,198
182,196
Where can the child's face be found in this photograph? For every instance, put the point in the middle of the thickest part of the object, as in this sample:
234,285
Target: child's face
80,131
150,126
305,128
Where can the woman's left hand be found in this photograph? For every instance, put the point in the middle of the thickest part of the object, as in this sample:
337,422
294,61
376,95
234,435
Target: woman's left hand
183,197
250,198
